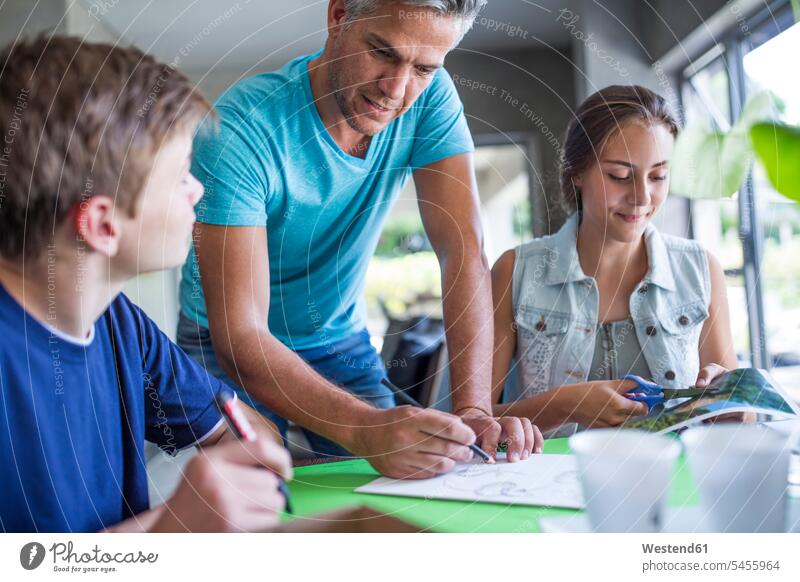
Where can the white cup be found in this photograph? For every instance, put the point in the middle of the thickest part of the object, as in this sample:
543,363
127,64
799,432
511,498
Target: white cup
625,476
741,472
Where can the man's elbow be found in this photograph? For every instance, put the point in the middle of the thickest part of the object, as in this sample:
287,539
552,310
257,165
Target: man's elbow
473,265
466,253
234,347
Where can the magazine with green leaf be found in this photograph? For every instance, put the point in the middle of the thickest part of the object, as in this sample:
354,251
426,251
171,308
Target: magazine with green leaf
742,390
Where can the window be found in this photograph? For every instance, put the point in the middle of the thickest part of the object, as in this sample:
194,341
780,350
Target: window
706,99
760,261
765,64
404,278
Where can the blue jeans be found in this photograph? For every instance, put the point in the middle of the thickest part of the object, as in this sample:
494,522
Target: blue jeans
351,363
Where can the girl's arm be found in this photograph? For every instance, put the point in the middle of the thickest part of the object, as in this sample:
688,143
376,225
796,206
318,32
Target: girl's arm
597,404
505,334
505,344
716,342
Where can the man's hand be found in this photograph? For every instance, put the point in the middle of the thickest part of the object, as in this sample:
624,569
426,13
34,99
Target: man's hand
600,404
518,433
230,487
413,443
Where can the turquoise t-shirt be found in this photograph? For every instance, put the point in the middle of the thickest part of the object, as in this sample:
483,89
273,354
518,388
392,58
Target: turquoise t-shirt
272,163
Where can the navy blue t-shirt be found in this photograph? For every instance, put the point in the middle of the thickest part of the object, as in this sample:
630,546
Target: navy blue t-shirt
71,436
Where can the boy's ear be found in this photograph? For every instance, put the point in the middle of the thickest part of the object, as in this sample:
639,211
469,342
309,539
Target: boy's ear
95,222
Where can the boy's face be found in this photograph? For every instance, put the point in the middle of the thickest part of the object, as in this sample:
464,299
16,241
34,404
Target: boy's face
159,234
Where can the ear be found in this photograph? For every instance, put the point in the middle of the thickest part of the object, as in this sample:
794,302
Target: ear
95,223
577,181
336,16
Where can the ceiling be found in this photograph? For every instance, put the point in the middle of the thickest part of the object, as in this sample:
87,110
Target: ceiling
230,34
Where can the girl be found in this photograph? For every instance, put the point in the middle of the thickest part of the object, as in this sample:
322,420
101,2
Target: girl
608,295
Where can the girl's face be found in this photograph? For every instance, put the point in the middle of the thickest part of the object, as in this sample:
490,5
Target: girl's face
629,182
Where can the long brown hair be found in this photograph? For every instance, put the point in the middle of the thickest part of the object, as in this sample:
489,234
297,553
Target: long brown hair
596,120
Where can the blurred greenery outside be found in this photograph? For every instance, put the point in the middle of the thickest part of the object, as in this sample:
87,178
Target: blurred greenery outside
780,272
405,267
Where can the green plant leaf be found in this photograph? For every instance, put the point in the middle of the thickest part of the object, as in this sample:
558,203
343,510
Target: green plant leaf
778,148
763,106
714,164
709,164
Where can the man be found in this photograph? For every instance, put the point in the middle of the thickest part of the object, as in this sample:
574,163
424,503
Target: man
299,179
94,189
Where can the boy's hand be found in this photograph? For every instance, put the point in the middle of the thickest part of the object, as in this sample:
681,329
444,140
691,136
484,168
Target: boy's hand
413,443
229,487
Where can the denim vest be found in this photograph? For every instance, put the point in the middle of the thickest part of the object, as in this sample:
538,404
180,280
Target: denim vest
556,312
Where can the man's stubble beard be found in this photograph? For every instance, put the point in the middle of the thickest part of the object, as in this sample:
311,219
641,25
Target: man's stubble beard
350,116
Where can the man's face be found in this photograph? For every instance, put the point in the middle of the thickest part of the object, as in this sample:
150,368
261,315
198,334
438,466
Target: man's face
158,235
381,63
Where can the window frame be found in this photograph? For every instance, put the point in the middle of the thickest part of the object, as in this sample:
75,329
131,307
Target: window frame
732,48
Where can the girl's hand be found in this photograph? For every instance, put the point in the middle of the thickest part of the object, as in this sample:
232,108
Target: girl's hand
704,378
600,404
708,373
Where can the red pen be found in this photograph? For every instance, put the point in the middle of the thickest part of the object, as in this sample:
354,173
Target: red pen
243,430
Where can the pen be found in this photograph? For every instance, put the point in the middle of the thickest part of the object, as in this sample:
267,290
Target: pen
242,430
408,400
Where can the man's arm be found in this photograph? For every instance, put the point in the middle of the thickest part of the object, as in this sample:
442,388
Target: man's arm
234,269
401,442
448,202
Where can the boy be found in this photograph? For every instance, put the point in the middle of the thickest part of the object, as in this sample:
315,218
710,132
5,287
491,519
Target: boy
94,189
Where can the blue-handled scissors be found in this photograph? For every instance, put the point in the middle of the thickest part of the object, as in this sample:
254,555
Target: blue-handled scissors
654,394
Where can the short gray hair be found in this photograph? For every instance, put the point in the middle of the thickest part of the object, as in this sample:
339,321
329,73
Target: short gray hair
466,10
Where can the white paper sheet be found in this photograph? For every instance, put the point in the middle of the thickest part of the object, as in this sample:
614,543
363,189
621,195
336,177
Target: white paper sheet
549,480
